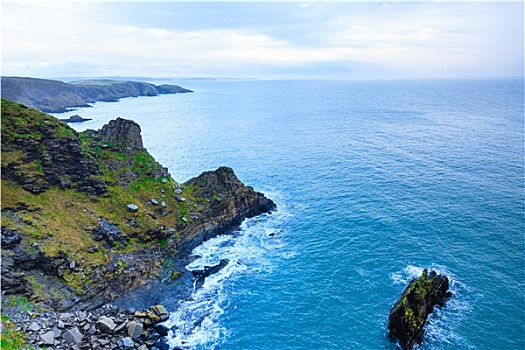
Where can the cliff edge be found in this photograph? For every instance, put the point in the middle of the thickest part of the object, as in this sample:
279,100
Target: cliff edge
89,217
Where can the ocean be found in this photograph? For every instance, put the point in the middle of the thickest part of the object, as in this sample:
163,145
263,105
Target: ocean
374,181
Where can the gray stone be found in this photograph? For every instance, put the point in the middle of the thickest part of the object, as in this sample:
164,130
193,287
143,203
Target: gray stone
164,181
154,201
57,332
127,342
178,191
33,327
143,347
64,317
163,204
60,324
48,338
135,329
132,208
106,324
73,336
184,219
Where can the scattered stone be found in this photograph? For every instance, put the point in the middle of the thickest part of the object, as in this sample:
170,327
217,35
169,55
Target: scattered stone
33,327
135,329
164,181
161,312
180,199
60,324
161,345
57,332
128,343
152,316
154,201
163,204
73,336
64,317
106,324
184,220
132,208
162,330
178,191
48,338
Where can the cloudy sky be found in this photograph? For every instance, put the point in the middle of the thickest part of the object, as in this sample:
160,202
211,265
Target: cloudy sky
345,40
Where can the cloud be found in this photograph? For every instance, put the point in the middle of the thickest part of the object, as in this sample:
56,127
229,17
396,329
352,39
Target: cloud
337,40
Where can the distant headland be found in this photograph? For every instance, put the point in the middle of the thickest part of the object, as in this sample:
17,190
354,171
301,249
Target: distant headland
53,96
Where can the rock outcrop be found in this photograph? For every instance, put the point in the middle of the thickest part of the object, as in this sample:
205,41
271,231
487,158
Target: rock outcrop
228,201
410,312
54,96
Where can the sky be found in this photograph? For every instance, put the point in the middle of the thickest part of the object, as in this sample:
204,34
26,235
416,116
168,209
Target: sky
271,40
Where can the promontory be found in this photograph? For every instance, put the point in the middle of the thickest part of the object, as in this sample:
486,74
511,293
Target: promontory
89,218
53,96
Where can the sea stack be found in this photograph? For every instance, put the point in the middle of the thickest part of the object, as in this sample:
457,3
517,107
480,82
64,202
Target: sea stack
410,312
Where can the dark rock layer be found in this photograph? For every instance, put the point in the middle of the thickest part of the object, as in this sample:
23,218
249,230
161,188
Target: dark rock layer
40,151
54,96
409,314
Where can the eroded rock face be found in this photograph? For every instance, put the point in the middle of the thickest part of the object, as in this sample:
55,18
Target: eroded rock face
39,152
124,133
230,203
409,314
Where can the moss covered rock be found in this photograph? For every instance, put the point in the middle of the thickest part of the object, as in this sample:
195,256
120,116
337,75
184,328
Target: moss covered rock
410,312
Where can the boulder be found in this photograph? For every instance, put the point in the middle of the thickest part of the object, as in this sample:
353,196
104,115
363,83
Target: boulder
134,329
106,324
161,312
48,338
410,312
73,336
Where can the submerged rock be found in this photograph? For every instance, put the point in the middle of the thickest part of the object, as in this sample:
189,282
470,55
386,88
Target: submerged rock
410,312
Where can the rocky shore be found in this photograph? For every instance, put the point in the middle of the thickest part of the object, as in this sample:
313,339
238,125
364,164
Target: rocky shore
93,226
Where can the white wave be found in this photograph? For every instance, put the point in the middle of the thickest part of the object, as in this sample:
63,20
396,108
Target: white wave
442,325
196,322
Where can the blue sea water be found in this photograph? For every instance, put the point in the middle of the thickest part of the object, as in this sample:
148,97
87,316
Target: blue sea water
374,181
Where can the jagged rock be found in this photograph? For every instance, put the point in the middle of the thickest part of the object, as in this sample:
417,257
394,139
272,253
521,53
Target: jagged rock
410,312
106,324
10,238
208,270
73,336
53,150
134,329
160,311
108,232
33,327
124,133
127,342
48,338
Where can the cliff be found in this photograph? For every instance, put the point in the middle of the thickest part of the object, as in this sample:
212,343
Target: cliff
89,217
409,314
54,96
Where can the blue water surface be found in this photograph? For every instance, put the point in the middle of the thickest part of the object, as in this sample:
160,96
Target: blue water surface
374,181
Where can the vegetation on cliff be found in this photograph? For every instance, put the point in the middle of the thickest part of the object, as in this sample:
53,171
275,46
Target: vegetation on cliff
92,215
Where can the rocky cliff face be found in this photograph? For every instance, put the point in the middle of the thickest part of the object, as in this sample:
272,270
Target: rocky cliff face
409,314
90,217
38,152
55,96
